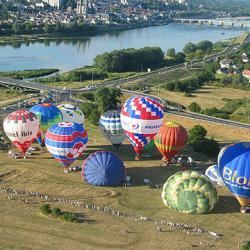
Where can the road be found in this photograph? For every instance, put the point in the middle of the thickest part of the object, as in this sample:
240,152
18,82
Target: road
65,95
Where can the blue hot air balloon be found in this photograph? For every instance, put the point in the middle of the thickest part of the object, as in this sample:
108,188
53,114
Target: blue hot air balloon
103,168
66,142
110,126
48,115
234,167
213,174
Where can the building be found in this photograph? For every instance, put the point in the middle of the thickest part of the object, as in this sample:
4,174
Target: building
54,3
245,58
246,74
84,7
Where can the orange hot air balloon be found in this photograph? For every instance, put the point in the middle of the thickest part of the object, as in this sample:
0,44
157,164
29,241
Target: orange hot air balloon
170,139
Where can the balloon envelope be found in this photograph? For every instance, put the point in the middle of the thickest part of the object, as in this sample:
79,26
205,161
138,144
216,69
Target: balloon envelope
213,174
110,126
141,119
21,128
234,167
66,142
48,115
103,168
189,192
71,113
170,139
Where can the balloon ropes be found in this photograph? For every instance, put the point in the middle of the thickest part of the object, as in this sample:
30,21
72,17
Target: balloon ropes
21,127
111,129
141,119
48,115
66,142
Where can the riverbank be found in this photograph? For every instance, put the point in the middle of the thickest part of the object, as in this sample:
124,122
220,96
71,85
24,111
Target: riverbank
100,29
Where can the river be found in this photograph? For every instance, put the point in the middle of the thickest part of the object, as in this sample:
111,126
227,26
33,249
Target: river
72,53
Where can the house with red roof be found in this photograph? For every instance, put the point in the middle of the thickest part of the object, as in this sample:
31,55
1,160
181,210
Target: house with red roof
246,74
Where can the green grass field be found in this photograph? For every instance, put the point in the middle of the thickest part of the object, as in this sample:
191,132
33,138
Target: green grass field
23,227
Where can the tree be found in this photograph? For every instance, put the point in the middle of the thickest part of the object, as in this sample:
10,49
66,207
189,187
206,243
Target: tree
107,98
17,28
196,134
179,57
205,46
199,53
45,209
194,107
171,52
189,48
28,27
48,28
197,138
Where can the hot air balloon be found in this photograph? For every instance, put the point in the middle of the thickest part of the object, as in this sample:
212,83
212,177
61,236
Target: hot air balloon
234,167
189,192
213,174
66,141
103,168
170,139
48,115
110,126
71,113
141,119
21,127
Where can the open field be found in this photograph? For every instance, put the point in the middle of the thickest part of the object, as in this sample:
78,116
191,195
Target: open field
23,227
207,97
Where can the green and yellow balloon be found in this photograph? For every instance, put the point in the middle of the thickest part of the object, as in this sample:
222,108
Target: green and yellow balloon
189,192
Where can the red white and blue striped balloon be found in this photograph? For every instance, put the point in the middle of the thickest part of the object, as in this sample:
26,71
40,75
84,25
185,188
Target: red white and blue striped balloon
141,119
66,142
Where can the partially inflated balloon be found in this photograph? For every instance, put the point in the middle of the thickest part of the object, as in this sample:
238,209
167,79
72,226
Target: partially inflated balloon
189,192
141,118
103,168
170,139
110,126
213,174
48,115
66,142
21,127
71,113
234,167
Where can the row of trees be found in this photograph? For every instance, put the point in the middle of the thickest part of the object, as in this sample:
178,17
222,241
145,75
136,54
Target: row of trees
129,59
31,28
190,83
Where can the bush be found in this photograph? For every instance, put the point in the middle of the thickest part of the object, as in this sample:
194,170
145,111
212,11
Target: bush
197,138
194,107
45,209
246,246
216,113
56,212
90,111
70,217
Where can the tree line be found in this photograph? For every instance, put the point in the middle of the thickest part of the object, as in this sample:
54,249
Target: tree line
129,59
32,28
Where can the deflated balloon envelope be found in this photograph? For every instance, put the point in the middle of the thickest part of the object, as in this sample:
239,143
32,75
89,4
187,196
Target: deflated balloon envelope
189,192
103,168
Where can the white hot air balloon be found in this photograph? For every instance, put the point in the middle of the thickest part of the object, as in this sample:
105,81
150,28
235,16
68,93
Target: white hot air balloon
71,113
21,127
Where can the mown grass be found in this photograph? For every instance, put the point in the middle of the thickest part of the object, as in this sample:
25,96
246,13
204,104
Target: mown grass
22,226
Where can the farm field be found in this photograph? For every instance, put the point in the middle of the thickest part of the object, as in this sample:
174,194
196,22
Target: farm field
23,227
208,96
